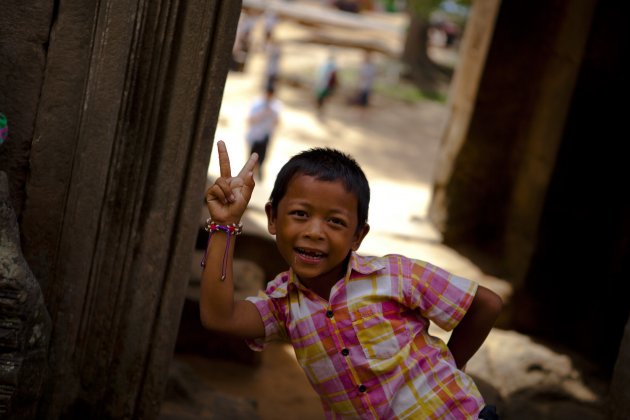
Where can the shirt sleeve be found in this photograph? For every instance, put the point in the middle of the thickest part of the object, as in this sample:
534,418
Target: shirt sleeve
440,296
270,310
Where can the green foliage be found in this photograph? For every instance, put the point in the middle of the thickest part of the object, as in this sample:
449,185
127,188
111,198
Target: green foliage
423,7
402,90
408,92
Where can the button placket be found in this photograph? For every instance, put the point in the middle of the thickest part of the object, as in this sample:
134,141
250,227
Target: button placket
344,351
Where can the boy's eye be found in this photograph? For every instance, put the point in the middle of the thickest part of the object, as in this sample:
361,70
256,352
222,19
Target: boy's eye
337,221
298,213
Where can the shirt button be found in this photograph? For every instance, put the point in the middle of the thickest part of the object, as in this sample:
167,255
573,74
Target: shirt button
345,352
362,388
329,313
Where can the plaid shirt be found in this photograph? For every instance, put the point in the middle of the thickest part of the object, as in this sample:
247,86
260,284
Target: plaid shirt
367,351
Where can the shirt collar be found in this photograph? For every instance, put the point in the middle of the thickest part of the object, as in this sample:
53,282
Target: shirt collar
365,264
361,264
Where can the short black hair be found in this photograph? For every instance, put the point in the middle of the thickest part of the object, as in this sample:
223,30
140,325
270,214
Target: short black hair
325,164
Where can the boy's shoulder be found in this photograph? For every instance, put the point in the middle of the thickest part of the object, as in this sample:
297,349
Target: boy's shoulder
367,264
382,260
370,263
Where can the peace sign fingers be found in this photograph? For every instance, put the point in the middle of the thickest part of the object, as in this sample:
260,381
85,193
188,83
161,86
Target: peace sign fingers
227,199
249,166
224,160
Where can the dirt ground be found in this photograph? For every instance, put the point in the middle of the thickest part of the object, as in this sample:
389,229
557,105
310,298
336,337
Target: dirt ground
396,143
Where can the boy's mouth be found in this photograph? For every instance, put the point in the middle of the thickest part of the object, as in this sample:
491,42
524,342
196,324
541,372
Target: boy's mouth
309,254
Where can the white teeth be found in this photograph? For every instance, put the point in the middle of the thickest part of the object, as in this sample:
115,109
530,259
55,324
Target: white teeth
310,253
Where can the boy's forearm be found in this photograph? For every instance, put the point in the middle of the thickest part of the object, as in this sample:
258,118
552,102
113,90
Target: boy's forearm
473,329
216,302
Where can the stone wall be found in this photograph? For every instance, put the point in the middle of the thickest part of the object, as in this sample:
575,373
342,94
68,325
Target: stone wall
532,180
621,379
112,107
25,325
24,40
582,252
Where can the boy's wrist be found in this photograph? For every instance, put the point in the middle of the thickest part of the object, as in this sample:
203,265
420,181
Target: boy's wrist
232,228
228,221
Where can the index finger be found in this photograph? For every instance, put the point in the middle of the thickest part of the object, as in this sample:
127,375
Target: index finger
249,166
224,160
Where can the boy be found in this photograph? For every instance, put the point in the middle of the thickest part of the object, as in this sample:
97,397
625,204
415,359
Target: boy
358,324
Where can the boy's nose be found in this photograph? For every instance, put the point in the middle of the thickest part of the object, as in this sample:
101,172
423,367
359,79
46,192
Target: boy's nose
314,229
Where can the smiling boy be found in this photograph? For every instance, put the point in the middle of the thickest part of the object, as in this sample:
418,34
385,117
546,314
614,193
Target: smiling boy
358,324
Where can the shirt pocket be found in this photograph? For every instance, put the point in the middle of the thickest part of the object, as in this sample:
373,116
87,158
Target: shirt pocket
381,330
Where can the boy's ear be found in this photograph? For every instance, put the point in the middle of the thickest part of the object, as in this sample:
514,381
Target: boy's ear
271,218
358,237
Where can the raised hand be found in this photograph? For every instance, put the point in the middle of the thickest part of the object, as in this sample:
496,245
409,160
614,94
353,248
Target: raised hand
228,197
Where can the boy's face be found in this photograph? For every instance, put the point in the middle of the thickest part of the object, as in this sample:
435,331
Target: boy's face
316,227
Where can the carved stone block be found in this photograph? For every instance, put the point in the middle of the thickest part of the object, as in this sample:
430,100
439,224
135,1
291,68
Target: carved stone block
25,325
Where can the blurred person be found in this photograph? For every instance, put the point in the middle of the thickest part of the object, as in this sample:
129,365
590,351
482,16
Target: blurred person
272,67
242,42
262,120
365,85
270,22
326,81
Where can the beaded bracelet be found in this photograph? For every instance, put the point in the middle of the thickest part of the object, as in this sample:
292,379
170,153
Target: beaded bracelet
231,230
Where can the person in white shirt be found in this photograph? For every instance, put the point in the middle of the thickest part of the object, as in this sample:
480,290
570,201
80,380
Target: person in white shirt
263,118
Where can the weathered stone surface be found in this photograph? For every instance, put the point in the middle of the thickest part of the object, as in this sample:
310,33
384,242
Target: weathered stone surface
529,151
620,384
118,158
193,338
24,32
188,398
526,379
25,325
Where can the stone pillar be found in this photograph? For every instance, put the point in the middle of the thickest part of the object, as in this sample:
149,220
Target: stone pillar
462,99
121,145
499,151
24,322
24,36
620,384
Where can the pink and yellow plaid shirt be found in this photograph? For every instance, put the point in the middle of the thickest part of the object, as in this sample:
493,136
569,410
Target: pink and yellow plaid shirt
367,351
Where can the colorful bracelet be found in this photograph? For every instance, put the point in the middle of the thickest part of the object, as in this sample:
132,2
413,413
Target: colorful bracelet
231,230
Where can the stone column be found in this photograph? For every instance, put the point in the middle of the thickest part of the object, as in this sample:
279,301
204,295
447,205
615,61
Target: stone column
620,384
24,322
462,99
506,125
123,137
